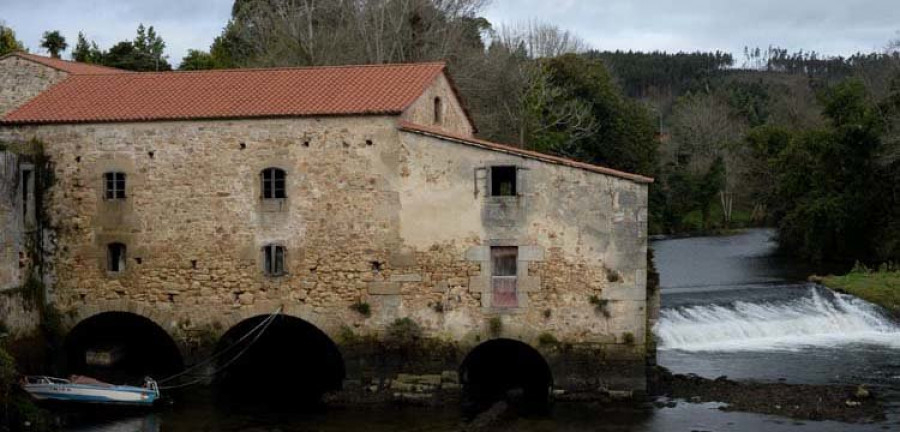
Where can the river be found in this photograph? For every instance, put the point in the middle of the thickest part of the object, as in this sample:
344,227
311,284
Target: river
730,307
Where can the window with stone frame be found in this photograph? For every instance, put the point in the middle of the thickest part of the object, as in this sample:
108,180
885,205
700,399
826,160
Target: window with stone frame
115,257
273,183
438,111
114,185
273,260
504,272
503,181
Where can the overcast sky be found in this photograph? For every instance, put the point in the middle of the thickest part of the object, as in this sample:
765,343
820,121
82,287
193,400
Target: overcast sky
826,26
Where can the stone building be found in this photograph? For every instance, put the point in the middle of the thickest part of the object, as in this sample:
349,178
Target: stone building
355,199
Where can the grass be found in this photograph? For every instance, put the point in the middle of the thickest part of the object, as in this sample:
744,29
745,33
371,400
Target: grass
881,287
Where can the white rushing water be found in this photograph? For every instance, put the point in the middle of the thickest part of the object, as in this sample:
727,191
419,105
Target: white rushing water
818,319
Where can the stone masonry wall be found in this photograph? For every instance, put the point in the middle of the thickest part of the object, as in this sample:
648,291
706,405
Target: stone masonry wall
11,229
453,117
374,215
21,80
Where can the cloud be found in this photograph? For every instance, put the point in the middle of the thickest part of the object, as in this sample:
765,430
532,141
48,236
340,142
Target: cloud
826,26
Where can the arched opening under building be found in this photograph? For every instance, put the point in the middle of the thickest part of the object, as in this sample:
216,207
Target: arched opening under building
290,362
505,369
121,348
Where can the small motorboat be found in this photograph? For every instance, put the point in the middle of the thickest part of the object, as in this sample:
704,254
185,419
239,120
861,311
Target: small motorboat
88,390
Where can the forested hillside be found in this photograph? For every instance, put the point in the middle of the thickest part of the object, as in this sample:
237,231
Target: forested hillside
801,141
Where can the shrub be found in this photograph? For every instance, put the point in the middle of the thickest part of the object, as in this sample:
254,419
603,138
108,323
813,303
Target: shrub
362,308
628,338
495,325
403,331
601,305
547,339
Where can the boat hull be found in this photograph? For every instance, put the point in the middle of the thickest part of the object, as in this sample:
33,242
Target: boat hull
118,395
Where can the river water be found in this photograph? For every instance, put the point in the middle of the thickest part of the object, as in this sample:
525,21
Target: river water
730,307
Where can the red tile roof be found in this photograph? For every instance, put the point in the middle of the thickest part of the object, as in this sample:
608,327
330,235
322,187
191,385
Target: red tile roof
74,68
233,93
441,134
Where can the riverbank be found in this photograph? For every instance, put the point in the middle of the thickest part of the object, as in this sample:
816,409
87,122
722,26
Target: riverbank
849,404
881,287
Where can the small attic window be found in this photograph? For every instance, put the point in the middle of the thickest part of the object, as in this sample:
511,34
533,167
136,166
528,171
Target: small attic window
503,181
438,111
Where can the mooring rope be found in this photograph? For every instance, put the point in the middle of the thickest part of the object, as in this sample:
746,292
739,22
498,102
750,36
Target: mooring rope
261,327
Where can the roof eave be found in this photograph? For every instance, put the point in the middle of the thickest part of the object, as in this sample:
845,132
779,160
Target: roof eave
487,145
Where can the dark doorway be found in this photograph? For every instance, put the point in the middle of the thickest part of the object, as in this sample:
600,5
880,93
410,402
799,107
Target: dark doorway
121,347
291,362
505,369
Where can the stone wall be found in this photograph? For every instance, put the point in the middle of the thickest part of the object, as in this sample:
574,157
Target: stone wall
20,314
396,220
12,230
21,80
453,118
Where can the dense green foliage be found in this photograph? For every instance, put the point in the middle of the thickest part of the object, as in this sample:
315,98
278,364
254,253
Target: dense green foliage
8,41
654,73
54,43
625,136
146,52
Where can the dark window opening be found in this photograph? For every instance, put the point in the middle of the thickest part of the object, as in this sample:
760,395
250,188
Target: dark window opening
273,183
115,257
504,269
503,181
438,111
26,179
274,260
115,185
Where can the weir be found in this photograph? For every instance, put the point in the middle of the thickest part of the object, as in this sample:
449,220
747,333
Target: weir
821,318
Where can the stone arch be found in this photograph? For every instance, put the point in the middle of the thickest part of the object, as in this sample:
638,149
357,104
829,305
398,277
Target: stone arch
505,368
292,360
119,345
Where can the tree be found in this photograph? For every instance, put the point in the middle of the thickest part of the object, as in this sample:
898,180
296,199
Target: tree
8,41
829,191
625,138
86,52
198,60
54,42
144,53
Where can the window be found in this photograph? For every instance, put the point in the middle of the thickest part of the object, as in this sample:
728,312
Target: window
438,111
504,268
115,185
273,260
115,257
503,181
273,183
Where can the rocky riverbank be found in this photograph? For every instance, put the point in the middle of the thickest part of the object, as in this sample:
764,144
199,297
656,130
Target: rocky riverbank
851,404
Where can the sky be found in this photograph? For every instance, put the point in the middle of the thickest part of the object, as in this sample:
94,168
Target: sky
826,26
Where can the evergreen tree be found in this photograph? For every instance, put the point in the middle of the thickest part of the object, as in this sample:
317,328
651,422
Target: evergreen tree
54,42
86,52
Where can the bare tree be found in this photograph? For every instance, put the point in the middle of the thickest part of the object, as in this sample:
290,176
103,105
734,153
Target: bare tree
540,40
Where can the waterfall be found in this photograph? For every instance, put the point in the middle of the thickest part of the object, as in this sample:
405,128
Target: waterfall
820,318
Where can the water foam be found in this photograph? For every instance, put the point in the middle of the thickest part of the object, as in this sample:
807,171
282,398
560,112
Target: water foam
818,319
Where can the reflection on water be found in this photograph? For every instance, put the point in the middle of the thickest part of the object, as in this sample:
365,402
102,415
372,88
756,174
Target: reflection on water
730,307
